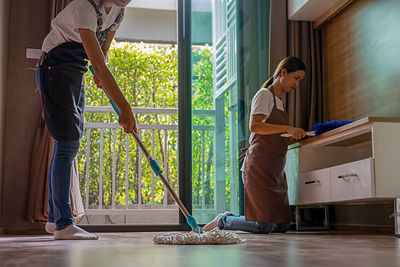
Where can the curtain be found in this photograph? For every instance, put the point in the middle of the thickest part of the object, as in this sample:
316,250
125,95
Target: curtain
253,43
298,38
278,34
57,6
38,208
305,105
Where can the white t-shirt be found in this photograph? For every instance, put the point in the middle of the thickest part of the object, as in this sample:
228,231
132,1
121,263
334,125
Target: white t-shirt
77,14
263,103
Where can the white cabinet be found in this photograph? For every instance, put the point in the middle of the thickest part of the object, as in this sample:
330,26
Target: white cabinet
357,162
353,180
314,187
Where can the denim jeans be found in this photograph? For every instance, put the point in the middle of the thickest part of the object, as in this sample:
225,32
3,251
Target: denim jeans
59,179
237,222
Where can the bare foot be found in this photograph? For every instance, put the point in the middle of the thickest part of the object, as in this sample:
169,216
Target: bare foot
213,224
50,227
73,232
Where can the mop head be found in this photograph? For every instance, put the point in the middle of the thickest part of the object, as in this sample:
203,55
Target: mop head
213,237
320,128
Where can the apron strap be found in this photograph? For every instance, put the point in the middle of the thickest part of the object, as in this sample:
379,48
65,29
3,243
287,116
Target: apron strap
99,15
102,35
271,89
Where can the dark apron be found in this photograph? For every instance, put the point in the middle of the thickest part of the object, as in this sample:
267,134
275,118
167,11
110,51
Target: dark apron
265,186
62,90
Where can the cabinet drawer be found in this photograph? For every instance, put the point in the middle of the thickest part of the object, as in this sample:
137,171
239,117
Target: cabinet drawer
352,180
314,187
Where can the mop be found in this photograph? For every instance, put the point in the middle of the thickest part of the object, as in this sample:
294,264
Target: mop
194,237
213,237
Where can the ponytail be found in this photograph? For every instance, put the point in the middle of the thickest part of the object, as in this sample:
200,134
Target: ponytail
291,64
268,82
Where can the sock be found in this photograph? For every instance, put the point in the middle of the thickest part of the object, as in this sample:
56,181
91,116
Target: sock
73,232
50,227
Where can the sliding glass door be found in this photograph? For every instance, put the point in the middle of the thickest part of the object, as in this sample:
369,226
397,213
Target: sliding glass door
214,104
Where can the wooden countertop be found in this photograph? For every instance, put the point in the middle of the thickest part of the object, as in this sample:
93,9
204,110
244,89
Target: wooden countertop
357,131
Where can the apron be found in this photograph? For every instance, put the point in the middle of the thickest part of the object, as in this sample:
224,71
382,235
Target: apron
60,79
265,186
62,90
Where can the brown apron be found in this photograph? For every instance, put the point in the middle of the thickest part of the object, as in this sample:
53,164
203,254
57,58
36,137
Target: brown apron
265,186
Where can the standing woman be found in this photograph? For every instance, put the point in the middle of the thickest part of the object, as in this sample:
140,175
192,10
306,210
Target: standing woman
266,204
82,30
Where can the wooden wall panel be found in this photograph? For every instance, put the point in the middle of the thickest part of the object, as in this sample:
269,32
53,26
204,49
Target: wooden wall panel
28,25
362,61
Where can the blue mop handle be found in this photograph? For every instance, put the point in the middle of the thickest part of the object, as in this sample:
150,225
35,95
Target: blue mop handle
116,109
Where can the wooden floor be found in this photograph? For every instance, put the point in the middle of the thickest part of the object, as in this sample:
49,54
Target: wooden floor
138,249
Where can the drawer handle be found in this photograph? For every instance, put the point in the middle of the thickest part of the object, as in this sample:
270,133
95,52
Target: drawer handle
348,175
312,182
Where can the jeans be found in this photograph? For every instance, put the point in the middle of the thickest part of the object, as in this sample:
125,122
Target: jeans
237,222
59,179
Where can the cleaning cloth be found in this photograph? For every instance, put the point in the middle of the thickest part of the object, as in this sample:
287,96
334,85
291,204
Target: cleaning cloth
213,237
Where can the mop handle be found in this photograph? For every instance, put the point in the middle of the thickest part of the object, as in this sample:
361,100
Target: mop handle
158,172
153,163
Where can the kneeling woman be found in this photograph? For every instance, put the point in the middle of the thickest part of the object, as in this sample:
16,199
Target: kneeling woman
266,202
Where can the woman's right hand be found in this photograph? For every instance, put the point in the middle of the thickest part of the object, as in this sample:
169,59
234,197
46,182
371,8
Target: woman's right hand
296,133
97,81
127,120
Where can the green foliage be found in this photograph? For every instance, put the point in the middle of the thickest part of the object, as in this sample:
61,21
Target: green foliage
147,76
203,140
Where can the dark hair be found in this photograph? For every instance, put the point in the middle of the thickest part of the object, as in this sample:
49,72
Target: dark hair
101,3
291,64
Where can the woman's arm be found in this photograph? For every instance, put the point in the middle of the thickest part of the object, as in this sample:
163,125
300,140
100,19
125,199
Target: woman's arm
108,41
95,54
257,126
104,48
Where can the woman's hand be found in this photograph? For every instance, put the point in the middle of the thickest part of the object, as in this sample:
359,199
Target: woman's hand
296,133
127,120
97,81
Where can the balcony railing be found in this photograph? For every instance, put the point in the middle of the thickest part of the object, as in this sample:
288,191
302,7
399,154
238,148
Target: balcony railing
119,195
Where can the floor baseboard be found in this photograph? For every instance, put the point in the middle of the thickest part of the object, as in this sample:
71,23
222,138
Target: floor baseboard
362,228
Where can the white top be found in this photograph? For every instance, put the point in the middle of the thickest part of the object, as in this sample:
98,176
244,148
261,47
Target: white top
263,103
77,14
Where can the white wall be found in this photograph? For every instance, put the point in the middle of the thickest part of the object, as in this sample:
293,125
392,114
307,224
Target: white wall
198,5
4,26
308,10
148,25
155,20
155,4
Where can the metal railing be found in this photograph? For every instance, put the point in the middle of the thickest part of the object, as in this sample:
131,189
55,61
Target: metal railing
137,206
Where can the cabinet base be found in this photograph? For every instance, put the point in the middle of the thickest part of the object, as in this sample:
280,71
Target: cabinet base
312,218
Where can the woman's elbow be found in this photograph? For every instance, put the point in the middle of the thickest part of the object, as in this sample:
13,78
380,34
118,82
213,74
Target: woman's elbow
253,127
